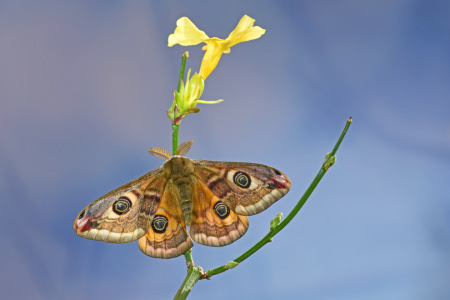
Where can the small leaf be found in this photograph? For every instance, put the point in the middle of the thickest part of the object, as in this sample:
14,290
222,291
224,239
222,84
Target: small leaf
276,221
231,264
329,161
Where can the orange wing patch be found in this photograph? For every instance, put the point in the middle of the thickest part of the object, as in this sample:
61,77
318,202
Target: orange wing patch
167,236
214,223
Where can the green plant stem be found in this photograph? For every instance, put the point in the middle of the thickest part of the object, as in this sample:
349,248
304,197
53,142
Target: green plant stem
341,137
193,275
175,129
189,258
175,126
268,237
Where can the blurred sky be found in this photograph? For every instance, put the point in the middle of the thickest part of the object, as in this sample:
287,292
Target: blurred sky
84,86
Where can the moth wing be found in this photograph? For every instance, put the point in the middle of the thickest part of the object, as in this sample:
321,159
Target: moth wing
247,188
167,236
124,214
212,222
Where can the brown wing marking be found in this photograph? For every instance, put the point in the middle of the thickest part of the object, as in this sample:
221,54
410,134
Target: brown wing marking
266,185
167,236
101,221
207,227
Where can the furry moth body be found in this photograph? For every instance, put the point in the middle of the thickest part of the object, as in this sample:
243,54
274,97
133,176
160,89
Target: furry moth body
213,198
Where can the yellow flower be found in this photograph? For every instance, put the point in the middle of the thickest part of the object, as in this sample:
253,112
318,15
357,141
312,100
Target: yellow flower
187,34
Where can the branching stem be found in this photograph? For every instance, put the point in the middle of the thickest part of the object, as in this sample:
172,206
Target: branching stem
273,231
195,272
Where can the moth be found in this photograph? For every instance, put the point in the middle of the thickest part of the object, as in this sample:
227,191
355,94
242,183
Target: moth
213,198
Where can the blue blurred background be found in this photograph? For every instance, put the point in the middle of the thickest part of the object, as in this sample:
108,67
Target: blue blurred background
84,86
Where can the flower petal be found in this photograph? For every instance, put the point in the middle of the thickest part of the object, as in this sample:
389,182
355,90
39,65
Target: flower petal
211,57
244,31
209,101
186,34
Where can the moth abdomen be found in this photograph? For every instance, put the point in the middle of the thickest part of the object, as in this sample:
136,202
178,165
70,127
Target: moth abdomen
186,208
184,187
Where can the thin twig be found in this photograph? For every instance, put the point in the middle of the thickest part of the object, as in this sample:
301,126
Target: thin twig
273,231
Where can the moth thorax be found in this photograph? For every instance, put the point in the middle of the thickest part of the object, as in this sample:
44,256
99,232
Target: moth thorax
179,167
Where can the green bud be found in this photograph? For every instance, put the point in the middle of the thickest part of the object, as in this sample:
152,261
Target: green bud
231,264
276,221
171,110
329,161
187,98
190,91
